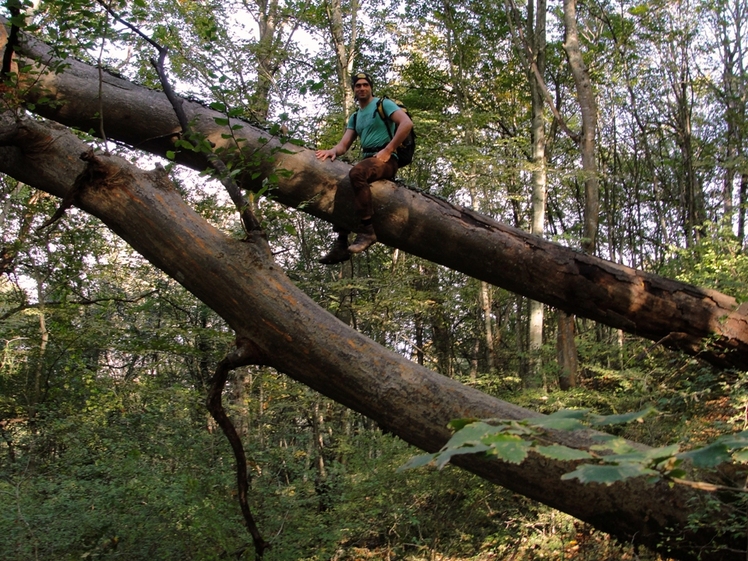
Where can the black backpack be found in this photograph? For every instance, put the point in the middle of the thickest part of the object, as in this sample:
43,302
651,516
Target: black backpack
406,150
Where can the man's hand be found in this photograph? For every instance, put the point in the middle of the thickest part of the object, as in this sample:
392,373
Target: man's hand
324,154
384,155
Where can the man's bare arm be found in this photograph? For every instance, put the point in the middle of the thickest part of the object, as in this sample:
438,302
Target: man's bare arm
340,148
404,126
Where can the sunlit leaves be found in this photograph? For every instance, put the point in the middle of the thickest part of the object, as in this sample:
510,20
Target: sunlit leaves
608,474
613,459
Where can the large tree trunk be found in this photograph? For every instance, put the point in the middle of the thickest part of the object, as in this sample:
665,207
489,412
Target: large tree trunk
698,321
279,326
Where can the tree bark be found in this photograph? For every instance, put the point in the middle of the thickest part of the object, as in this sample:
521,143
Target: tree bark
566,352
698,321
286,330
344,52
588,109
536,32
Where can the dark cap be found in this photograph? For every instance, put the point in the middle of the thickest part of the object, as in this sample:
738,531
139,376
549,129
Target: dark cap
361,76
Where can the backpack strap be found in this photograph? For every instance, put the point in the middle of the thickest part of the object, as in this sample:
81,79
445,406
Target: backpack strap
385,118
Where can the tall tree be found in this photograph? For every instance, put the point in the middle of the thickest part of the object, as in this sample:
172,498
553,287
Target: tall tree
588,109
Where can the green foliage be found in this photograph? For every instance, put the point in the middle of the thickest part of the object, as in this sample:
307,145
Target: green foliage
615,459
716,262
124,474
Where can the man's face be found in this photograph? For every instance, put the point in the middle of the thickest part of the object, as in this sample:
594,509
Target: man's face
362,89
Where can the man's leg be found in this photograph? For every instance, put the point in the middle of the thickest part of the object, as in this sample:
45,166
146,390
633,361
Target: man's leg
339,250
362,174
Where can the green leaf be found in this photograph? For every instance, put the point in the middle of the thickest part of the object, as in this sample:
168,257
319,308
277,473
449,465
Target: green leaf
615,444
471,435
508,447
442,458
556,423
708,456
570,414
184,144
737,440
654,455
563,453
222,121
741,456
605,420
418,461
607,475
459,424
170,154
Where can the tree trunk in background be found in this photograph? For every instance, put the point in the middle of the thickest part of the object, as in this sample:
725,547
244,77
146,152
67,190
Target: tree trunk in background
488,328
695,320
270,52
680,83
345,52
40,366
743,198
277,325
566,350
588,107
536,30
321,485
730,26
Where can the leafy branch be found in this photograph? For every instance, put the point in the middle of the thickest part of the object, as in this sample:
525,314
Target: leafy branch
190,139
611,460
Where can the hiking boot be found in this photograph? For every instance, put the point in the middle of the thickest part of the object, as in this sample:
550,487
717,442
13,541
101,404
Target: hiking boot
338,252
365,238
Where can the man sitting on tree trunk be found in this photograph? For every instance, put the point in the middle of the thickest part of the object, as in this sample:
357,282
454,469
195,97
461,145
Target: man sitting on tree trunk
380,161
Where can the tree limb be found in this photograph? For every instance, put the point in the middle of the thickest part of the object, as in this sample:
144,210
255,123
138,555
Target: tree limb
245,353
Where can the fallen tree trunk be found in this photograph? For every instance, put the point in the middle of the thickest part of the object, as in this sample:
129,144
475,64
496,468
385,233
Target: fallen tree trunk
701,322
283,328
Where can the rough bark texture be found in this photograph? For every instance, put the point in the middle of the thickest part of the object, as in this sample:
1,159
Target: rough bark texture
701,322
288,331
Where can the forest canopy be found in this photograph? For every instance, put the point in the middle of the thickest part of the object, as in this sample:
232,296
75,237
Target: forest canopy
575,211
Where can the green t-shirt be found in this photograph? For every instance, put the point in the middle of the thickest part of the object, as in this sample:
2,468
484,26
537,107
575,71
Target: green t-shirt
371,128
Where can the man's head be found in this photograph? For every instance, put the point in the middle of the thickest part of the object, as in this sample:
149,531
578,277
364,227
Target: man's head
361,77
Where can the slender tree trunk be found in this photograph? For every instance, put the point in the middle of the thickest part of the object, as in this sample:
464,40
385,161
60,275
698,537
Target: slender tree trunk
743,206
588,106
39,367
488,329
536,30
345,51
566,350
